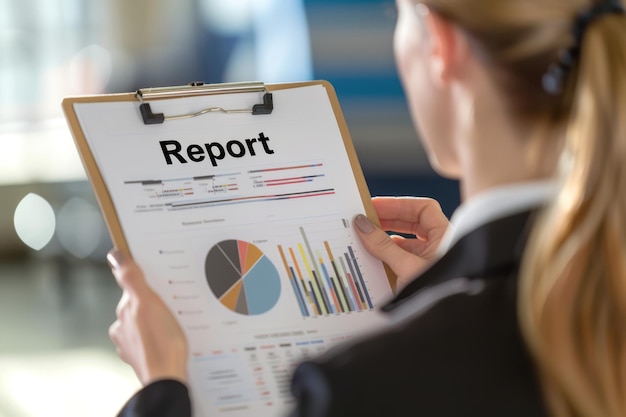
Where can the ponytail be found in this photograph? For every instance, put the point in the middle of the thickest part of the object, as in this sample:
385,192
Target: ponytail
572,300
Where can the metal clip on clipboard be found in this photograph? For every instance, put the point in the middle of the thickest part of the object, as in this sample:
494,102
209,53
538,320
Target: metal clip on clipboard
200,89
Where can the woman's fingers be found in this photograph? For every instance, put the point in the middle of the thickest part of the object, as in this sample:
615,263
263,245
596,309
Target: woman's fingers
378,243
127,273
421,217
146,334
417,216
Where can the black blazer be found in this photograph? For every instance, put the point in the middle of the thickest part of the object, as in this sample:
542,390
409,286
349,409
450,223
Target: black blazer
455,349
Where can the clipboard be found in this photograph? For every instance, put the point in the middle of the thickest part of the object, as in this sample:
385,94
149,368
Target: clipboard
142,152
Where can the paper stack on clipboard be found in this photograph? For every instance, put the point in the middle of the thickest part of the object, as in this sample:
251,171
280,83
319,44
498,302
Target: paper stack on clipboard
237,200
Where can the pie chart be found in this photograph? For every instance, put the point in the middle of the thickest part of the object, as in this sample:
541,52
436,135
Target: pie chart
242,277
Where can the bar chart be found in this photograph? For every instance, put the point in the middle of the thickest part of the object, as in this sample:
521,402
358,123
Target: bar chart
323,283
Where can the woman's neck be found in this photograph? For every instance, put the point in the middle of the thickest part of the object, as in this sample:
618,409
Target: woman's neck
497,151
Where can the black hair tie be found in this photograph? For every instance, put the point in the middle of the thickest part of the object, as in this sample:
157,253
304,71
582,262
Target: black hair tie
554,79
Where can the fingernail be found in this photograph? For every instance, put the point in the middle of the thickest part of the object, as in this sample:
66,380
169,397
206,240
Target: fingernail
115,258
364,224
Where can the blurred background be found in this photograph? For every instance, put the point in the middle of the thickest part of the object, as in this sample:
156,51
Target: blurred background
57,296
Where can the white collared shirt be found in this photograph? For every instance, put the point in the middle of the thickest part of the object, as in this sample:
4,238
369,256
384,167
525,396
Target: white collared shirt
496,203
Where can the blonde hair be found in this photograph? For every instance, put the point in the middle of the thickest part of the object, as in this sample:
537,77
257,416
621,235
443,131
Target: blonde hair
572,299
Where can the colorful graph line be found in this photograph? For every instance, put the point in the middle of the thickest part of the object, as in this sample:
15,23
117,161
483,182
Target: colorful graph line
250,199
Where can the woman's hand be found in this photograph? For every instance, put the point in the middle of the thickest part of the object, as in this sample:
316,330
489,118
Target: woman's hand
146,334
407,257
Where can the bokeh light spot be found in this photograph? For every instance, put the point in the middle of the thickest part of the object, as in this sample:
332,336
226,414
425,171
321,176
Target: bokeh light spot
34,221
79,227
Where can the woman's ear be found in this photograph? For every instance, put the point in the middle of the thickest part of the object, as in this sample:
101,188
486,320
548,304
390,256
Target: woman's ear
447,46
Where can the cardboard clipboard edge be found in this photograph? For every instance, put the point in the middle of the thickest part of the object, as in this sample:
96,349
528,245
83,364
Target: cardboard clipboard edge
93,172
366,197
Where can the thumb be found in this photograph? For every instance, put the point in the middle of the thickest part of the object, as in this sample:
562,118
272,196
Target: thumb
127,273
379,244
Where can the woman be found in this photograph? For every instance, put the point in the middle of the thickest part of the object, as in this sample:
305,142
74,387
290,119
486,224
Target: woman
522,311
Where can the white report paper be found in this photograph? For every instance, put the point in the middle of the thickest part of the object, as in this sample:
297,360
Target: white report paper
242,224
